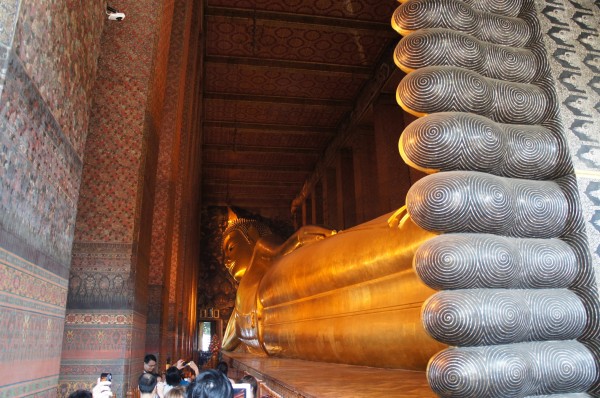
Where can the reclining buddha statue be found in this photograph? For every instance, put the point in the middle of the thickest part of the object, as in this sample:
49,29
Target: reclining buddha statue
348,297
496,230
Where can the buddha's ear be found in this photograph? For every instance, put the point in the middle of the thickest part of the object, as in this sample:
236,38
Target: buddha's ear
253,233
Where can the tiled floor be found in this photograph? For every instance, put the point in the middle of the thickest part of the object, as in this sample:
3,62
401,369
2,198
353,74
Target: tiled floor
326,380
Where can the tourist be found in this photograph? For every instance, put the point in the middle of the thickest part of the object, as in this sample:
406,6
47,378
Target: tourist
148,386
210,384
149,363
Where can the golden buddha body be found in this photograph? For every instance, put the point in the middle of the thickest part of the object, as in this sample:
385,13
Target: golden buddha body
349,297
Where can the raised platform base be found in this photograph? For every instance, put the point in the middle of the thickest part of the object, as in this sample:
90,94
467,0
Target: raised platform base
297,378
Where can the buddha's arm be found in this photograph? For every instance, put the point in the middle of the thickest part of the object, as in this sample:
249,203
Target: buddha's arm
304,236
230,340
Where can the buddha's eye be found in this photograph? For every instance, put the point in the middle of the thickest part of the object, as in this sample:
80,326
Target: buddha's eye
230,247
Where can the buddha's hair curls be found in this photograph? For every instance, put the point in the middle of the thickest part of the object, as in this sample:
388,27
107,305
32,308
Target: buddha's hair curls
243,225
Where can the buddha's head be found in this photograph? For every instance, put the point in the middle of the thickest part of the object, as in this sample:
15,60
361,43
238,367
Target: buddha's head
238,243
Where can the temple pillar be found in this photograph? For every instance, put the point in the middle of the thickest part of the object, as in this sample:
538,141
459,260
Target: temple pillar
393,175
365,177
330,198
317,205
105,325
346,196
160,332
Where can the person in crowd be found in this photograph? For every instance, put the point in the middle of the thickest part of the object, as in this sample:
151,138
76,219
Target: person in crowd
80,394
149,363
176,392
249,379
188,375
224,368
210,384
173,378
102,389
147,383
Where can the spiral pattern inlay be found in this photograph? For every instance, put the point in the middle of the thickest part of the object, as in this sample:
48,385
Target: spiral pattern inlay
460,16
443,47
452,89
464,261
498,316
439,142
464,201
514,370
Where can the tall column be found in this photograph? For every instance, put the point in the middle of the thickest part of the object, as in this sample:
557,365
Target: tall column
366,179
105,324
392,173
317,205
330,203
182,47
181,254
345,189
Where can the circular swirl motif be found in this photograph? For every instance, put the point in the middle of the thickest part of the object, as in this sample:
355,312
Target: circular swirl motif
443,47
514,370
557,314
462,261
518,103
439,142
567,366
511,372
457,373
461,201
452,89
542,210
550,263
509,8
477,317
452,322
462,17
494,206
513,32
448,261
439,204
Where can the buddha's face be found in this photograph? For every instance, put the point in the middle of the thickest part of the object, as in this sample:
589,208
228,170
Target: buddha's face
237,253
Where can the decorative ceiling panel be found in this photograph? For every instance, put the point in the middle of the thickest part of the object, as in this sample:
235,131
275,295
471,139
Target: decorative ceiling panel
231,156
265,80
243,37
275,139
366,10
277,113
282,80
214,172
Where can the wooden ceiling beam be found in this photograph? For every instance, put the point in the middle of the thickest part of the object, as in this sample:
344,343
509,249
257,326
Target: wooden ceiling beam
270,128
257,167
252,183
258,149
246,203
383,28
359,71
278,100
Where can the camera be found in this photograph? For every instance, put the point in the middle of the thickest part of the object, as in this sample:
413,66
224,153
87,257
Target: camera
117,16
106,377
114,14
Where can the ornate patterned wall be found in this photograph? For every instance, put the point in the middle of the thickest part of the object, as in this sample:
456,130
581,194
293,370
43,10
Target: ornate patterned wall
46,79
573,44
105,325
